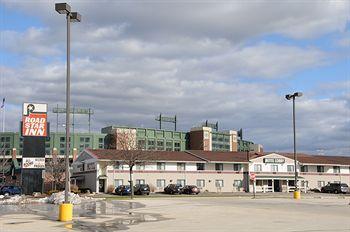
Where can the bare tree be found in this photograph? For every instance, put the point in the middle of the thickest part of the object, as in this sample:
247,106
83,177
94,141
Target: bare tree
131,153
55,171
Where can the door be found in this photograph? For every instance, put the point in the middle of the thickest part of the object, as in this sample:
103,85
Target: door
277,186
101,185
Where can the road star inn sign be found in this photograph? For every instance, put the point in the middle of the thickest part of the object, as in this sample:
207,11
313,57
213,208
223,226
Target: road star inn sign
34,119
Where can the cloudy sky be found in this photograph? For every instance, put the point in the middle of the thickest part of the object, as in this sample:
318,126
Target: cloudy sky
226,61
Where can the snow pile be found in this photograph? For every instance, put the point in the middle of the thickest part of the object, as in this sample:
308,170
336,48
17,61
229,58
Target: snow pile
58,198
55,198
14,200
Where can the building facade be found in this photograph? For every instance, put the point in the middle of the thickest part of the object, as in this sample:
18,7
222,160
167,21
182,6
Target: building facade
149,139
80,141
199,138
211,171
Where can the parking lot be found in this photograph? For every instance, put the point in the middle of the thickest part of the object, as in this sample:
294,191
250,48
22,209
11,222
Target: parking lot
189,214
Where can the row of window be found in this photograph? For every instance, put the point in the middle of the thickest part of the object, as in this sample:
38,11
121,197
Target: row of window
182,166
5,139
161,145
161,183
274,168
320,169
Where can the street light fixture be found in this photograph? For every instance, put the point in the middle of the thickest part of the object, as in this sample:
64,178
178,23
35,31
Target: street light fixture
296,190
66,209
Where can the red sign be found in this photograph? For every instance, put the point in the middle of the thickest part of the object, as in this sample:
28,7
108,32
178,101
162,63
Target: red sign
252,176
34,125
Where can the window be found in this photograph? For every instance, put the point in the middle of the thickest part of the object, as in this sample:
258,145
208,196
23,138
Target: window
62,152
237,167
7,139
87,140
140,181
304,168
118,182
320,184
304,183
181,166
82,139
62,139
169,145
141,144
150,144
160,183
336,169
200,183
100,146
200,166
118,166
237,183
219,167
257,167
177,146
140,167
160,166
62,145
181,182
274,168
320,168
160,145
290,168
100,140
219,183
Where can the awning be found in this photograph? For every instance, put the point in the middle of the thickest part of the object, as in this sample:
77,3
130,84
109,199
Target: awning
276,177
102,177
78,177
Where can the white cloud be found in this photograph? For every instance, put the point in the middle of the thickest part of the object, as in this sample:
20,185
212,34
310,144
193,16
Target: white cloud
132,61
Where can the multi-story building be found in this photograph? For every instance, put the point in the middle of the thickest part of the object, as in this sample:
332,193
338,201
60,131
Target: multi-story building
80,141
199,138
208,139
148,139
211,171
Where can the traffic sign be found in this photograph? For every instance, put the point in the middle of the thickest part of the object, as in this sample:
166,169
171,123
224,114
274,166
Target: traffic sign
252,176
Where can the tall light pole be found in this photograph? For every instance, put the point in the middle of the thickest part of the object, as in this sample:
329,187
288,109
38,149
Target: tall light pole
66,212
296,190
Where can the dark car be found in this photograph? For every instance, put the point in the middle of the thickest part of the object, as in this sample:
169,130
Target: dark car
141,189
335,188
190,189
10,190
173,189
122,190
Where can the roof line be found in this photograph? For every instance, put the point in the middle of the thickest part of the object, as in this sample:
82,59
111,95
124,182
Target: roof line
197,156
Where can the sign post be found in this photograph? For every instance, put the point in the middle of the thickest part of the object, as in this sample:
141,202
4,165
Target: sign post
34,129
253,178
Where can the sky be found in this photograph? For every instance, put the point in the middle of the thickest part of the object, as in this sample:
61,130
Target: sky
226,61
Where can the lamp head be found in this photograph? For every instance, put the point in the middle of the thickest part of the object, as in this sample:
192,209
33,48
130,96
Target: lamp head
75,17
289,96
62,8
298,94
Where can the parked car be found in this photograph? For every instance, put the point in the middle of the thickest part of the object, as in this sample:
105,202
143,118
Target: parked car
10,190
335,188
190,189
173,188
122,190
141,189
85,190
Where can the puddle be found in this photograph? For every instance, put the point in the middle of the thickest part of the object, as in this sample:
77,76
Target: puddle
97,216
